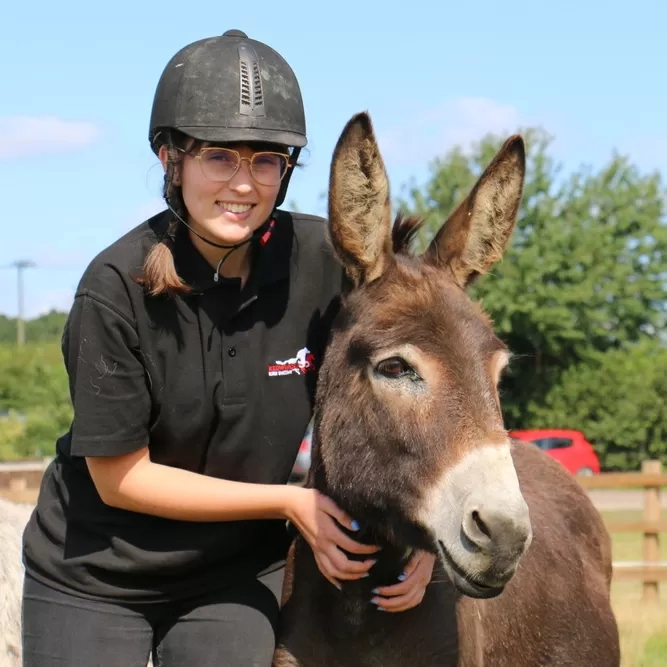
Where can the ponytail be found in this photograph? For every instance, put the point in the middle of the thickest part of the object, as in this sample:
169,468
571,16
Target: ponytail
159,274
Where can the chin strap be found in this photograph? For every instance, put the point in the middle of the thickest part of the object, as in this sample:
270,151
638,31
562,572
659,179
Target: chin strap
262,234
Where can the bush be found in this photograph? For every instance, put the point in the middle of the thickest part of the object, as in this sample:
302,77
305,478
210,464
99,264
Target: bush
617,399
35,393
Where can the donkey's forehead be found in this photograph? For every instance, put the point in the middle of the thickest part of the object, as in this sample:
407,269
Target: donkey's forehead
415,302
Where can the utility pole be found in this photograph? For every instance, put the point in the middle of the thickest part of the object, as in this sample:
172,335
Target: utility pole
20,266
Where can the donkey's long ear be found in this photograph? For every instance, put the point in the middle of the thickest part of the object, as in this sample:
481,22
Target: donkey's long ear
476,233
359,206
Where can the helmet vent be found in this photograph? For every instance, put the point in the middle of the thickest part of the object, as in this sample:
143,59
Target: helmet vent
246,98
251,101
257,85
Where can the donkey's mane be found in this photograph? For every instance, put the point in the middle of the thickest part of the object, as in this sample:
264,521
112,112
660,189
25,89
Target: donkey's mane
406,228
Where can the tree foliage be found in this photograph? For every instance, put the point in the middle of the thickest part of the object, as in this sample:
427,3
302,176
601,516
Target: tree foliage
45,328
35,407
618,398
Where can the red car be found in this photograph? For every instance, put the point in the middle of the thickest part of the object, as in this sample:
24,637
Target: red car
567,446
302,463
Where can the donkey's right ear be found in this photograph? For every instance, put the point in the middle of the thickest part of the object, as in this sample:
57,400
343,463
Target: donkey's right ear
359,204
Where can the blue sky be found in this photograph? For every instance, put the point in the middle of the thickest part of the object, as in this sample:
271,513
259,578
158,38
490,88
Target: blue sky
78,80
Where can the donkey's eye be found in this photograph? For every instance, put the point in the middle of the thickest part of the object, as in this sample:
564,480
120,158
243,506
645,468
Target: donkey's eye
395,367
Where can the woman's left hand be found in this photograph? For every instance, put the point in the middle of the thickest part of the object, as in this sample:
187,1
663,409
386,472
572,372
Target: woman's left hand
410,591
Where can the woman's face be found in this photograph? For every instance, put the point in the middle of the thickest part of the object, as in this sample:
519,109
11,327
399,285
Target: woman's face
229,211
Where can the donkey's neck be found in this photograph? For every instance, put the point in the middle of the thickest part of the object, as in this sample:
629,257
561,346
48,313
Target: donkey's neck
391,558
382,518
351,609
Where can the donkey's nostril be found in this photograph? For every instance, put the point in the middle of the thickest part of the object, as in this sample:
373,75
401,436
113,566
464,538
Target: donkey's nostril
477,530
480,524
503,530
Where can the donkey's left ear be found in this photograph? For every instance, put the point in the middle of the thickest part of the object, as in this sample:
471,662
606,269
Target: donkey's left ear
476,234
359,205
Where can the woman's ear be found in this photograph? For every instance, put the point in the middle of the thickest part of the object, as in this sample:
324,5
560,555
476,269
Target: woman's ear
163,155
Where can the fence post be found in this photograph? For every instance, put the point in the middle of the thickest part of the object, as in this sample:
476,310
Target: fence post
650,591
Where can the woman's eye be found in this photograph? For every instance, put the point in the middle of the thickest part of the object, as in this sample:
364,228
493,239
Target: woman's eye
395,368
220,156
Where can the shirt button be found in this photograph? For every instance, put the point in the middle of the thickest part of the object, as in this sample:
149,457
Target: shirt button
232,352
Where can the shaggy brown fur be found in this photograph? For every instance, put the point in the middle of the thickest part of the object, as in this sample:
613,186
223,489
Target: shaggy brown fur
381,445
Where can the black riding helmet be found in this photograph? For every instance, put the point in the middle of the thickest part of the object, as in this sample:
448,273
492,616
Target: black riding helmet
230,88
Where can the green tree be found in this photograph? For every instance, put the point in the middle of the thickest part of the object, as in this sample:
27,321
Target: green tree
45,328
617,398
32,376
35,406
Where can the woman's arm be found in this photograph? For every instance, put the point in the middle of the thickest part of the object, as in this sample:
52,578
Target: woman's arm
133,482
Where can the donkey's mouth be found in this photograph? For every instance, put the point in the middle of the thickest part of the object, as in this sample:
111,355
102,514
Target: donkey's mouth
464,582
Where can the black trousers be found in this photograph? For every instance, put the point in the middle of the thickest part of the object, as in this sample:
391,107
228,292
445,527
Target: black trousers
235,627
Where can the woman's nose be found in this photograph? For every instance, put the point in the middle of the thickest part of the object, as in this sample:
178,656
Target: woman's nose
242,180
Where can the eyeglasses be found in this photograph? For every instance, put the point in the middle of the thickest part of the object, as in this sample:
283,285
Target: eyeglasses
221,164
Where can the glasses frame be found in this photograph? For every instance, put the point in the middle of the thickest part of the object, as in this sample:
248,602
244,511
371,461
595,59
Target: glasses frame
240,158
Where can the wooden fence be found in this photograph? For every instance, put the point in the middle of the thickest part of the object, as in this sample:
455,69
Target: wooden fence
651,570
20,482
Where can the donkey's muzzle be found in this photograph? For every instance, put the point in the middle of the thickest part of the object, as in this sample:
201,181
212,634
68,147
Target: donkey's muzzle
481,520
496,537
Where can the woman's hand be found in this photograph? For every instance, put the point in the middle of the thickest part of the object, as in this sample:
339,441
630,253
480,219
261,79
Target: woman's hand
412,587
315,516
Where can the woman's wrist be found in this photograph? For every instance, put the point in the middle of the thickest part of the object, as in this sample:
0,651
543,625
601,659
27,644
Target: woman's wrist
289,502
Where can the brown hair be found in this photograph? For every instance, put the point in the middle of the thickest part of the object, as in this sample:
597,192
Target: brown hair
159,274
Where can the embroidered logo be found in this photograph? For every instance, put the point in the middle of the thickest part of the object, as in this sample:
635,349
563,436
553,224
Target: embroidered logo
302,363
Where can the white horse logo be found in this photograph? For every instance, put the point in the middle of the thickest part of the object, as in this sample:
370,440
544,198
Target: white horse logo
303,360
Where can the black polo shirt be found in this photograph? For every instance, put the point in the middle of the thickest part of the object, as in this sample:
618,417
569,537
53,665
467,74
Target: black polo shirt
219,381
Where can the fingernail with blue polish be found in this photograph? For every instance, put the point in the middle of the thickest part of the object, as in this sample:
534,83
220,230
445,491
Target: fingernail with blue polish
402,576
355,526
375,591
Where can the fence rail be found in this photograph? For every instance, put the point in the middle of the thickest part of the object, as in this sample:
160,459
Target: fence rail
20,481
651,570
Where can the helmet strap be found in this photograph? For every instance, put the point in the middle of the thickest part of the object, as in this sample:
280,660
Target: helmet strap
285,182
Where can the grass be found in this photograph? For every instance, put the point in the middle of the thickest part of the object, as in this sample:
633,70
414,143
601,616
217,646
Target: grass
628,546
643,627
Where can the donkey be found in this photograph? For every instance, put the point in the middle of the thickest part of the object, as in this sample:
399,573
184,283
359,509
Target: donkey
409,440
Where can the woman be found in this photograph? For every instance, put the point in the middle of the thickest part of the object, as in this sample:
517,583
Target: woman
192,348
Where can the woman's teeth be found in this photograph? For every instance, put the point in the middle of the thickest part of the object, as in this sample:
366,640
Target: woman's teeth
235,208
